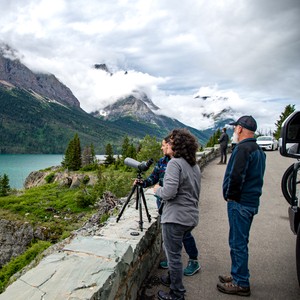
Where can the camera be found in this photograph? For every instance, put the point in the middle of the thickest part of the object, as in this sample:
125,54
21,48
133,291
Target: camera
141,166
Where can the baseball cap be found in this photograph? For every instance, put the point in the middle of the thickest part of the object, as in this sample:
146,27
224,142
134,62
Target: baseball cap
247,122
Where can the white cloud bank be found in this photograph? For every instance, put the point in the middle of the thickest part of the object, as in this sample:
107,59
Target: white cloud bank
172,50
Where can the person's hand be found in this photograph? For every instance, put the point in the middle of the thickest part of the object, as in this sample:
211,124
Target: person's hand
138,181
155,188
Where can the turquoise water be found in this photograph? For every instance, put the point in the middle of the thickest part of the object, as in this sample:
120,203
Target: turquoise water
19,166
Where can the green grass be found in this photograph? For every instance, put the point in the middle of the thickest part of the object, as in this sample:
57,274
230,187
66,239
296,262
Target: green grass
38,205
50,207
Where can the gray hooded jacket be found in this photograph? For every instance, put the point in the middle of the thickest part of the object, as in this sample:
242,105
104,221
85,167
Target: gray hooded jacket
180,193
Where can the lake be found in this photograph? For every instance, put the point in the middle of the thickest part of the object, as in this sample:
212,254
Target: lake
19,166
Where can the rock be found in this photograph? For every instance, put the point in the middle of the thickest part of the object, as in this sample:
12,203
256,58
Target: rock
14,239
63,178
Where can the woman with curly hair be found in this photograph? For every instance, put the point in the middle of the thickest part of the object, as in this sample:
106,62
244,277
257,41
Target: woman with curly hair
180,195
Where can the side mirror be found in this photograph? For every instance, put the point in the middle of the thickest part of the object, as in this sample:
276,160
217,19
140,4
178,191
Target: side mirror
290,136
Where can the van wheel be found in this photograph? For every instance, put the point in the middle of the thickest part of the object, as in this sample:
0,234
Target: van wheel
286,184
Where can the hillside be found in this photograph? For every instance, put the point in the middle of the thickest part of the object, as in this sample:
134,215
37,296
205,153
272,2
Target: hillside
31,126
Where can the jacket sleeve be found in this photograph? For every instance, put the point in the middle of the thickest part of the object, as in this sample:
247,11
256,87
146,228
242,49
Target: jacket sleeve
171,181
153,178
237,176
221,138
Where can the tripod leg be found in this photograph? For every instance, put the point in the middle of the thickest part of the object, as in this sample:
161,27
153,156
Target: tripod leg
127,201
145,204
140,207
137,198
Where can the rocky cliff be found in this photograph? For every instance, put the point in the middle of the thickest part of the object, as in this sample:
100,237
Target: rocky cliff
15,237
64,178
15,74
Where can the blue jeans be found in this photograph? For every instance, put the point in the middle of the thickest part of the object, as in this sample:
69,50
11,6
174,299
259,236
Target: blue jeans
240,219
172,237
188,239
190,246
158,201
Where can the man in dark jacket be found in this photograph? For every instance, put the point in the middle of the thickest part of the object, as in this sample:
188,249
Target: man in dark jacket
223,140
242,188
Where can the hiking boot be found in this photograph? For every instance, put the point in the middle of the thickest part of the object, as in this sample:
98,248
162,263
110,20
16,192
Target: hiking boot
225,278
233,289
164,264
192,268
165,280
161,295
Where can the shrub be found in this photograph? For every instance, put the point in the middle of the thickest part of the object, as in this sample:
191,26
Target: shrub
84,199
86,179
50,177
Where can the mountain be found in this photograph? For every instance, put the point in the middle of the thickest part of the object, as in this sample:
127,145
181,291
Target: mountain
14,74
39,114
135,113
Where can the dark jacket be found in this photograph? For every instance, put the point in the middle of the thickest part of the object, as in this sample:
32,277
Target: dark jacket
158,173
223,140
243,179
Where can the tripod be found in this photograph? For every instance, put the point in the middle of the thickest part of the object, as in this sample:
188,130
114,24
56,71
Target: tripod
138,187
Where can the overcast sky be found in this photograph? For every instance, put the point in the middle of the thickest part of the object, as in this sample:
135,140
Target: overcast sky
247,50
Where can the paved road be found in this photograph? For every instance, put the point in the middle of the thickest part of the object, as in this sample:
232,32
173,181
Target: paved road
272,244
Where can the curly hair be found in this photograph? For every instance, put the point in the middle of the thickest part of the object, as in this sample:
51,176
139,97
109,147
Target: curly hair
183,144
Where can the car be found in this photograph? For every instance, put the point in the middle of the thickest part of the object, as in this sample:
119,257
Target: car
267,142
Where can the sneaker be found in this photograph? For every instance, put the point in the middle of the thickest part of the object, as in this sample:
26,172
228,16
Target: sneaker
225,278
192,268
165,280
233,289
164,264
161,295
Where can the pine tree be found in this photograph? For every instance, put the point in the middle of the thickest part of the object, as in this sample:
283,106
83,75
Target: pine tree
4,185
77,153
149,148
72,159
289,109
109,158
214,138
125,147
128,150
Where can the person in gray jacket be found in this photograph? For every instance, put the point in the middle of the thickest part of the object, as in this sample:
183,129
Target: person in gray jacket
180,214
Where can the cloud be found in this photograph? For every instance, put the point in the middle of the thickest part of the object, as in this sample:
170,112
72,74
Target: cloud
248,50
